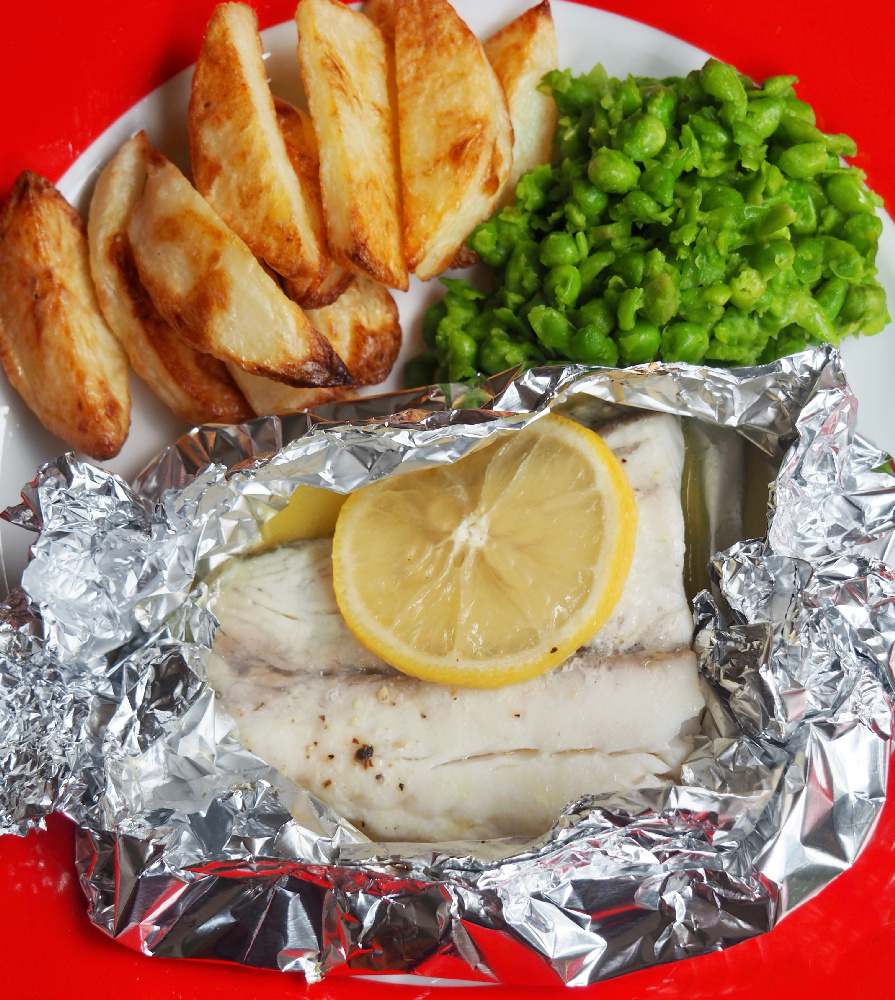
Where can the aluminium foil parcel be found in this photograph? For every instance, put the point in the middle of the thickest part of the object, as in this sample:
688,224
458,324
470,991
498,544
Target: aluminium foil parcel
190,846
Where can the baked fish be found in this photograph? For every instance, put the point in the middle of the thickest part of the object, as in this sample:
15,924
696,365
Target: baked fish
408,760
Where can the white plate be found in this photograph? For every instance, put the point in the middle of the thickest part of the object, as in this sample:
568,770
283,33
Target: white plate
585,36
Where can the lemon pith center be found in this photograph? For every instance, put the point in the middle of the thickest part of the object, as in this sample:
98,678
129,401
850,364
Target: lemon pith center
470,536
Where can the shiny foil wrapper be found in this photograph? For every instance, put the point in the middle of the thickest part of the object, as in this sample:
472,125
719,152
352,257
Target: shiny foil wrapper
192,847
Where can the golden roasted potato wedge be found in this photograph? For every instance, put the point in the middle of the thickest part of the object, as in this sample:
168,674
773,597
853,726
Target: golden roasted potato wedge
521,53
313,291
268,398
239,158
382,14
205,282
363,328
54,343
455,134
345,73
196,386
317,292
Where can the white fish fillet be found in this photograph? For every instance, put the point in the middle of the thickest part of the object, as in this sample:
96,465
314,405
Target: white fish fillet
412,761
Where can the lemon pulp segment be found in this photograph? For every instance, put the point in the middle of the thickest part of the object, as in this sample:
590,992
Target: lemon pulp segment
493,569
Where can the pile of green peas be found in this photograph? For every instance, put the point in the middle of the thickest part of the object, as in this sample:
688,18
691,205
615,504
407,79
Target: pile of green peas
697,219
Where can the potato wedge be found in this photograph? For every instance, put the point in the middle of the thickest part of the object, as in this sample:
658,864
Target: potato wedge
268,398
54,343
345,74
521,53
196,386
238,155
382,14
320,291
324,287
363,328
455,134
205,282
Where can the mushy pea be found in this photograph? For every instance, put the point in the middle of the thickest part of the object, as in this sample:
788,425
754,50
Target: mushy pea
695,219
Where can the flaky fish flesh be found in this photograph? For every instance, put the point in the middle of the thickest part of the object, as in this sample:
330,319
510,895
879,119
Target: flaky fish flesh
408,760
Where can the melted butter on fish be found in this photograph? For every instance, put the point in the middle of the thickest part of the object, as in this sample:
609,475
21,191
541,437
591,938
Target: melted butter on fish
413,761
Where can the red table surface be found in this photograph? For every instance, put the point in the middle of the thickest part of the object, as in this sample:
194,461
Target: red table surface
67,71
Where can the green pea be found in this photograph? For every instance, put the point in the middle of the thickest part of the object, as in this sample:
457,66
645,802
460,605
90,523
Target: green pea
493,353
736,338
612,171
800,109
795,130
790,340
485,241
552,329
710,132
848,193
641,136
523,273
803,160
570,139
863,232
531,188
581,93
722,82
628,303
591,346
461,347
630,267
538,299
779,86
643,208
623,101
764,114
563,284
810,315
808,262
841,145
431,318
521,354
505,319
420,370
661,298
831,295
658,183
685,342
576,220
802,201
661,101
745,136
639,344
591,200
776,218
596,313
865,309
720,196
600,131
842,259
558,248
480,326
747,288
593,265
832,220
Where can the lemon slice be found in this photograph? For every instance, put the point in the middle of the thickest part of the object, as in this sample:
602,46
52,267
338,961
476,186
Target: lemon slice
310,513
494,569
